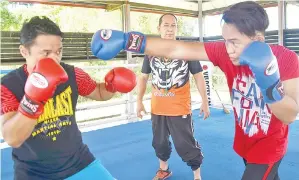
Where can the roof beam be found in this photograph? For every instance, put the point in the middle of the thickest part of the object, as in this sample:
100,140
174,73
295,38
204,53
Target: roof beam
139,7
217,11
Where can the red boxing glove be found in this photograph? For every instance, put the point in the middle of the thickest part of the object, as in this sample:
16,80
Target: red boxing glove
40,86
120,79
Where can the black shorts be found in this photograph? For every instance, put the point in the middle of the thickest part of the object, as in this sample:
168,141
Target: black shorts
261,171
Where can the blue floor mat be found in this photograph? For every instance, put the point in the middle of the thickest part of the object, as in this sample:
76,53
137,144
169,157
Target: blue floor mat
126,151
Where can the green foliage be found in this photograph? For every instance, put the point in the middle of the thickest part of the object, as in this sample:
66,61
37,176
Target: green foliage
143,24
75,19
9,21
12,19
183,28
148,23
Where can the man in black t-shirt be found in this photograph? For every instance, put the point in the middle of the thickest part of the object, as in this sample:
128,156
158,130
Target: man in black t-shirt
38,104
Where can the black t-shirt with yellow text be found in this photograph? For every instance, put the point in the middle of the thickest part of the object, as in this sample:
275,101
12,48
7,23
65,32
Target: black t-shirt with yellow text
55,149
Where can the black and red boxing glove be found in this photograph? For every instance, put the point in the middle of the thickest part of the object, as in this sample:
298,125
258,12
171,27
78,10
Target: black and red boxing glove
120,79
40,86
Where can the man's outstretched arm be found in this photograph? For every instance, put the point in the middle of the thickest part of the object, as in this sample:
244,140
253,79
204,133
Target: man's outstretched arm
118,79
106,44
175,49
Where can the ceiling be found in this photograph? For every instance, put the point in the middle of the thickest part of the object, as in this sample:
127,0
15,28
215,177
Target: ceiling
179,7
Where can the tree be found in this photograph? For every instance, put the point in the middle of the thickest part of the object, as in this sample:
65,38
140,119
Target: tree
9,21
144,24
147,23
183,27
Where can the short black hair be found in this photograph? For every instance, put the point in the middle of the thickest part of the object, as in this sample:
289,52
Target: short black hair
248,17
37,26
161,18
